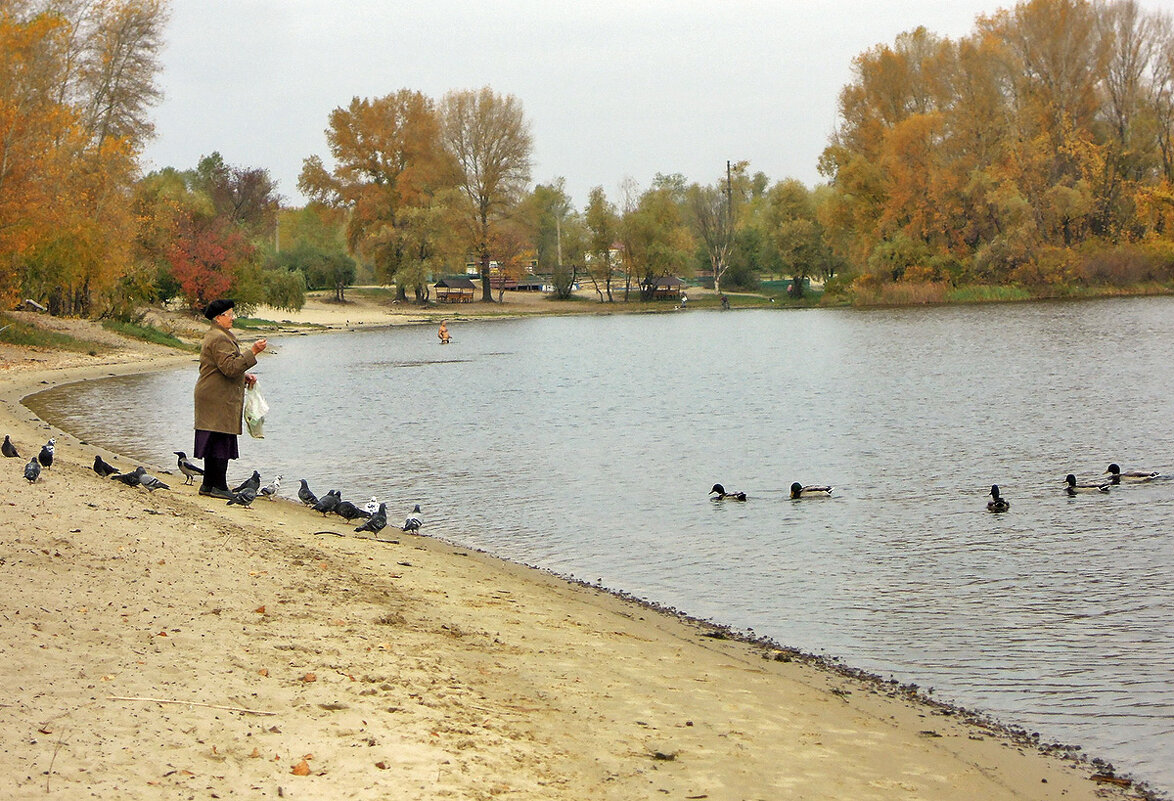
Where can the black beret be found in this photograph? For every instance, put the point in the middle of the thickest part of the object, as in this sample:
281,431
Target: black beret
218,307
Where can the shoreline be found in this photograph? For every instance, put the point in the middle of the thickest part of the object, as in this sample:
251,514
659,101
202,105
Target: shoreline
493,681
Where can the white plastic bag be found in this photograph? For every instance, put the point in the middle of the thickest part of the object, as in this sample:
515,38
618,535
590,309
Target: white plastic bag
255,410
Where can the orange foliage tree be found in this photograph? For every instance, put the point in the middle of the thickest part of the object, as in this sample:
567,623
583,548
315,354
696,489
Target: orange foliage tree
392,174
1047,127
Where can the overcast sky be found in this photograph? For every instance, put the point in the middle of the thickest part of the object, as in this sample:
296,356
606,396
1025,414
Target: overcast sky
613,89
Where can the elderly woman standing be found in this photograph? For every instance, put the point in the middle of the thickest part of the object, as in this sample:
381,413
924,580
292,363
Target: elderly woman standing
220,396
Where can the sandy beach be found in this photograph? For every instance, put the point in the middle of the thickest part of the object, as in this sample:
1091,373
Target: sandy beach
164,645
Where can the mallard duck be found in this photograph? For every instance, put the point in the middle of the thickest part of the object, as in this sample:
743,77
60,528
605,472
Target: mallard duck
1130,476
721,493
1088,486
998,503
810,491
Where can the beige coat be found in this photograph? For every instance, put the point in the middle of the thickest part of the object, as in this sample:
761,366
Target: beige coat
220,389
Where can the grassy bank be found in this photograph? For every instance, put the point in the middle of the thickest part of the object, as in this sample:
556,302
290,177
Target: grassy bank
861,294
17,332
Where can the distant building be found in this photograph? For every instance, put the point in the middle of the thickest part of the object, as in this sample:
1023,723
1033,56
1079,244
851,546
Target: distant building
455,289
667,287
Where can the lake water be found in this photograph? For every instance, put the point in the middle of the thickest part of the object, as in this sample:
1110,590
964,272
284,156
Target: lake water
587,445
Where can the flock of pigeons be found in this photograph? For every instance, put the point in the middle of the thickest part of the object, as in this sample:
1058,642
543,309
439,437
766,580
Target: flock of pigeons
373,513
997,503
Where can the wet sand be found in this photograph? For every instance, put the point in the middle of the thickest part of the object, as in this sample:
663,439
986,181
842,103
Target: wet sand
164,645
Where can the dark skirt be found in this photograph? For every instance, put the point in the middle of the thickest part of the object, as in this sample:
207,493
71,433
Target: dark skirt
215,445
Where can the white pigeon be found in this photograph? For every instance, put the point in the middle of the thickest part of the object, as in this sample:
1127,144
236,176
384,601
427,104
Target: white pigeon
270,489
371,506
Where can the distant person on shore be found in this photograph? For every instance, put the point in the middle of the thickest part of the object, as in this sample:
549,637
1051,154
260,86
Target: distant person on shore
684,299
725,302
442,332
220,396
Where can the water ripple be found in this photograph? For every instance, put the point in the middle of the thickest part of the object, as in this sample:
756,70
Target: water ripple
587,446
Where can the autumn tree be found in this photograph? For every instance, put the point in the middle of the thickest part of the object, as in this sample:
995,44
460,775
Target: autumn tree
711,214
656,239
389,170
602,222
489,137
76,81
555,230
208,255
1010,154
245,196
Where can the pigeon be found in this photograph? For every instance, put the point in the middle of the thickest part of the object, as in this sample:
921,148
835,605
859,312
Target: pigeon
349,510
371,506
245,496
102,468
187,468
376,522
304,494
413,522
270,490
8,449
253,481
327,502
130,479
32,470
45,457
149,481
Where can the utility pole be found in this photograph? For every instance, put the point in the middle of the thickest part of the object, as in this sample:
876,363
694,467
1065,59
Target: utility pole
729,195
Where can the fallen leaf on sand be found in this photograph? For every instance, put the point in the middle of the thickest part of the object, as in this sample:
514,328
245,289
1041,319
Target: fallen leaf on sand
263,672
256,754
260,610
381,765
309,677
301,769
161,634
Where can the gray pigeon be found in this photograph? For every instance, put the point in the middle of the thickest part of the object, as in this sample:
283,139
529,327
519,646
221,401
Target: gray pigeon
130,479
45,457
32,470
187,468
8,449
349,510
413,522
244,497
376,522
149,481
102,468
305,496
327,502
270,490
253,481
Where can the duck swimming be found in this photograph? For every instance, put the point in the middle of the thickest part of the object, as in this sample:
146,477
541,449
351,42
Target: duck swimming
1130,476
1088,486
810,491
998,503
722,494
